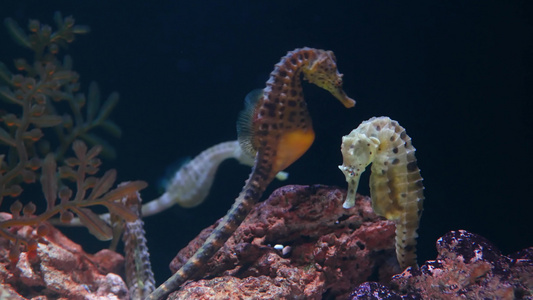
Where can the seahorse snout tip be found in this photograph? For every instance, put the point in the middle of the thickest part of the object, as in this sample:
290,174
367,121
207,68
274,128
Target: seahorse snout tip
348,102
344,99
340,94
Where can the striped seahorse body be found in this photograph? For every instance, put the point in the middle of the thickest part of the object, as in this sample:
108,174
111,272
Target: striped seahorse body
139,275
276,129
396,186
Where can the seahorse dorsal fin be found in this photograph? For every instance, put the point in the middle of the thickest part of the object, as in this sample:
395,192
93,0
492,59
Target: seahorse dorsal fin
164,181
245,131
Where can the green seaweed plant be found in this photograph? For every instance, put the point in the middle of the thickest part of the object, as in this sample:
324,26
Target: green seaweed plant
43,116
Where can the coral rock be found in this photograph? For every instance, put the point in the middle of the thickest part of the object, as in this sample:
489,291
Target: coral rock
61,270
376,291
298,244
467,267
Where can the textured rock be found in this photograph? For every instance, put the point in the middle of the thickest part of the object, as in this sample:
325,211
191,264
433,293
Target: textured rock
61,270
467,267
375,291
322,249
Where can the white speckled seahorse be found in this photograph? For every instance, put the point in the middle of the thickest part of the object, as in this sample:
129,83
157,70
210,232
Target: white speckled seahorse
191,184
395,182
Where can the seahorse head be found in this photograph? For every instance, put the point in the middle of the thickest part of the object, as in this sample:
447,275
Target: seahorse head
323,72
358,151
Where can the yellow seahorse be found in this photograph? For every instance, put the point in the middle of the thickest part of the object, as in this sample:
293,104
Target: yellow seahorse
396,186
276,129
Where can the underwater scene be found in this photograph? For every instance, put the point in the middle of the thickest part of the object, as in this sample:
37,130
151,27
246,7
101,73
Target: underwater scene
266,150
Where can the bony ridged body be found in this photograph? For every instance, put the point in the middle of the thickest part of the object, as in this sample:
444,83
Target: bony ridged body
395,183
276,129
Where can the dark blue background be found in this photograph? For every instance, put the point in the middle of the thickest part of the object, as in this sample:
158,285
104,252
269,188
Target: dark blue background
456,74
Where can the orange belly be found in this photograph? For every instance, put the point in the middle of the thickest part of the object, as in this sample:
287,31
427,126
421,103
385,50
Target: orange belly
292,146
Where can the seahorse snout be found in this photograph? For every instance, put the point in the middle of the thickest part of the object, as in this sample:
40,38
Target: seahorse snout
342,97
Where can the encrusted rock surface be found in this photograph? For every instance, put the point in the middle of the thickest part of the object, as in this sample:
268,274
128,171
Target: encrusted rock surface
323,250
467,267
298,244
61,270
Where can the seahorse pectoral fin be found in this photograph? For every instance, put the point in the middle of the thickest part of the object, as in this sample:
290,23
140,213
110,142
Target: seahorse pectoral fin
292,145
245,131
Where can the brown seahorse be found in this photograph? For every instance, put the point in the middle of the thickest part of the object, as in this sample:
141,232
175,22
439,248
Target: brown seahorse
395,183
276,129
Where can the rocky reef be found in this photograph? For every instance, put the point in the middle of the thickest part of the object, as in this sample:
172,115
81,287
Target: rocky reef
467,267
60,270
298,244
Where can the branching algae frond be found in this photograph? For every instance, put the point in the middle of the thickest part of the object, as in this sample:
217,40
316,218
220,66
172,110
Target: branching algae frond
396,186
276,129
48,85
191,184
44,117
